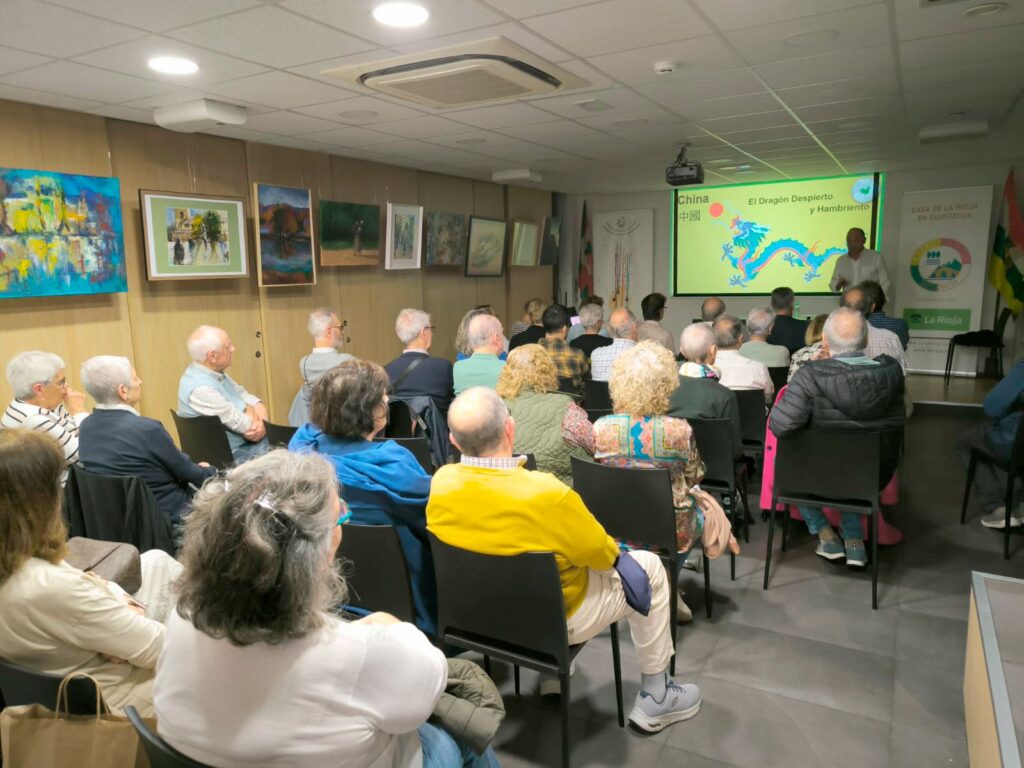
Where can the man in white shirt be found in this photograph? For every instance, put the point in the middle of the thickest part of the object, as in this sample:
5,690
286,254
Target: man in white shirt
858,264
44,402
326,329
737,371
622,326
880,341
760,322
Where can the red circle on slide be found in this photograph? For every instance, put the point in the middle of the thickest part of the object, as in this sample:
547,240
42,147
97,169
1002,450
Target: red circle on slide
716,210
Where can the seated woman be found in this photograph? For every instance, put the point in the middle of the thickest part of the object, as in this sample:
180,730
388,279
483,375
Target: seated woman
382,483
812,338
549,424
463,350
255,668
56,618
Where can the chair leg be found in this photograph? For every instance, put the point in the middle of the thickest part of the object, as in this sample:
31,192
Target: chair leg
771,536
707,584
566,745
1010,482
972,466
515,674
949,362
617,669
874,557
730,515
785,527
487,665
673,569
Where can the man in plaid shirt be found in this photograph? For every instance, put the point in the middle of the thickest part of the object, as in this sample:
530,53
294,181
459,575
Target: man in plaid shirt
570,363
878,318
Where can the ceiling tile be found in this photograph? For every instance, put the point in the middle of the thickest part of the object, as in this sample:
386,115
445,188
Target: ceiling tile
848,110
626,121
527,152
750,135
12,60
476,140
385,110
271,36
913,22
723,125
301,143
241,133
157,15
279,89
46,99
519,9
502,116
84,82
120,112
409,148
349,137
1011,75
938,105
618,25
681,94
46,29
701,54
615,100
963,48
516,33
876,64
316,69
422,127
540,133
831,93
288,123
738,14
181,95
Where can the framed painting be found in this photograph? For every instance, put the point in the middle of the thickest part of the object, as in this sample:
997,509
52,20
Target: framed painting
193,237
60,234
284,236
447,234
550,241
525,241
349,234
405,236
486,255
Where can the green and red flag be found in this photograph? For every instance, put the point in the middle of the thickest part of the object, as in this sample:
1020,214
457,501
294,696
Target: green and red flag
585,277
1006,267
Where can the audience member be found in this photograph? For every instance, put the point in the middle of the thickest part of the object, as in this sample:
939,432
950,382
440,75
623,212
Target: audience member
534,332
592,335
570,364
57,619
700,395
575,331
256,668
488,503
485,342
846,391
880,340
653,308
858,264
415,373
525,321
382,483
760,321
463,349
117,441
787,331
44,402
549,423
622,326
1002,407
327,331
876,302
812,348
710,309
737,371
206,390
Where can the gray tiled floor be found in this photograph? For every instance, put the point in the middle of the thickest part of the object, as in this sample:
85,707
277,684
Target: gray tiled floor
805,674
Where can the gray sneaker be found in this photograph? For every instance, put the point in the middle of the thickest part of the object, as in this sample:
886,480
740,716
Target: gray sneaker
997,518
681,702
856,554
832,549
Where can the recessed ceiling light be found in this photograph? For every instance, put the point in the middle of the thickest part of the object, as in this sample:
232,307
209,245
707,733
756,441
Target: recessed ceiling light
173,65
814,38
592,105
358,114
855,125
471,141
743,167
985,9
402,15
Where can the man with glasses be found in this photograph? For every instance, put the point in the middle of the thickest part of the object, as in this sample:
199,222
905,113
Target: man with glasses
43,401
415,373
326,330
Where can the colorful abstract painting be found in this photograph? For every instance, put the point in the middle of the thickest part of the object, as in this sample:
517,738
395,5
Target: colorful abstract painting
60,234
349,234
284,242
447,237
193,237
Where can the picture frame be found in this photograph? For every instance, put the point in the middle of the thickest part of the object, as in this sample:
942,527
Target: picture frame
485,256
550,241
525,244
404,236
349,234
447,235
194,237
285,242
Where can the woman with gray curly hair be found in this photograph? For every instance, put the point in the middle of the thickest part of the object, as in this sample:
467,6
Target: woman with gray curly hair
256,669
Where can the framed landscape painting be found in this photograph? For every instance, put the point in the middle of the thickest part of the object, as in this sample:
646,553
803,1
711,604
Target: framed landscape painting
550,240
193,237
525,241
349,234
447,234
486,256
405,236
284,236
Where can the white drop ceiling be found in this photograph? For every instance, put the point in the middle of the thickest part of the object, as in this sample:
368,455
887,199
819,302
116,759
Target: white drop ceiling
761,90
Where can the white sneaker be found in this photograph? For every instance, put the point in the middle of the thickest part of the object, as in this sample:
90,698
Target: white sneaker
681,702
997,518
550,686
683,613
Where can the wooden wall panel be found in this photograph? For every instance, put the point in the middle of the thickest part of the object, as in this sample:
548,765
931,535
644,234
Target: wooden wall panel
526,283
489,201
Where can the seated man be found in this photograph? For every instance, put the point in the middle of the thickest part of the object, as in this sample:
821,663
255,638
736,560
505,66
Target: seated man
579,329
622,326
533,332
700,395
735,370
117,441
482,368
569,362
880,340
787,332
710,309
205,390
1002,407
591,334
326,329
845,391
653,308
415,373
489,504
760,322
44,402
876,316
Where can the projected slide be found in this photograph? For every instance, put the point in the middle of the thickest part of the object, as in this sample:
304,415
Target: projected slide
746,239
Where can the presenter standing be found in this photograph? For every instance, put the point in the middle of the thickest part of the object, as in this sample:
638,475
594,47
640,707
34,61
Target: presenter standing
858,264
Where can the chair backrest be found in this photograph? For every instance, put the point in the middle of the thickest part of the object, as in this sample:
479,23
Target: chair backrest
515,600
400,421
780,375
531,462
752,414
596,413
633,504
1000,326
596,395
379,578
23,686
714,444
105,508
419,446
203,439
279,435
567,386
829,464
160,753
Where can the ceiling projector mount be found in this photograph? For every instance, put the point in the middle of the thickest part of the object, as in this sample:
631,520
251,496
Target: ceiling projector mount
682,173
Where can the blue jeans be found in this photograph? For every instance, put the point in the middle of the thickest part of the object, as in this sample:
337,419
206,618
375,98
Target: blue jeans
249,450
440,750
849,524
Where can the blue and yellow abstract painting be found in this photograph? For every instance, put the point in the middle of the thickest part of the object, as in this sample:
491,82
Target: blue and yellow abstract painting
60,234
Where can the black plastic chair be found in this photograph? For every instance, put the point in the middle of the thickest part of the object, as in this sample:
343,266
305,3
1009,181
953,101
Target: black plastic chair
596,396
807,473
636,505
531,462
111,508
419,446
753,419
19,686
400,420
203,438
279,435
596,413
992,340
511,608
1014,469
722,473
780,376
379,578
567,386
160,753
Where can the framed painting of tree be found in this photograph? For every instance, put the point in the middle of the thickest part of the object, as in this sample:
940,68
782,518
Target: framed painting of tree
284,236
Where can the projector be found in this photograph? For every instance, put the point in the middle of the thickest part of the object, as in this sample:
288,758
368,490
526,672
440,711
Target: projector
682,173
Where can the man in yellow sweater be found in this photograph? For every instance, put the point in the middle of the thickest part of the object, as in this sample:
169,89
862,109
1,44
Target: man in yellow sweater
488,503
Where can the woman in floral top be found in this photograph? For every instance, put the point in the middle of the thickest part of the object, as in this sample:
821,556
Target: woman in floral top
812,338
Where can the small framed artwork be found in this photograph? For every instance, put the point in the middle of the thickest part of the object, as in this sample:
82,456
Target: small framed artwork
550,241
486,256
525,240
284,236
405,236
447,234
193,237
